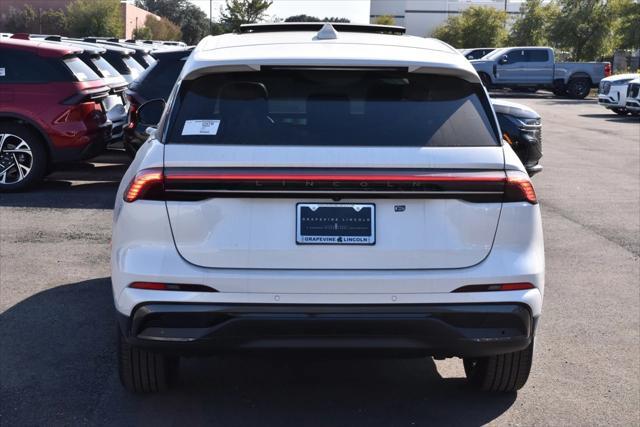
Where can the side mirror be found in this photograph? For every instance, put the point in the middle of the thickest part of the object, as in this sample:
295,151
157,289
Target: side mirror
150,112
504,60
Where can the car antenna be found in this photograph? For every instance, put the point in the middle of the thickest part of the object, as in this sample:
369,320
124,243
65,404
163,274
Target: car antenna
327,32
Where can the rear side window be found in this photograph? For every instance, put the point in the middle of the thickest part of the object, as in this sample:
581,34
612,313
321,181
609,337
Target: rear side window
80,70
515,56
104,67
538,55
27,67
116,60
332,108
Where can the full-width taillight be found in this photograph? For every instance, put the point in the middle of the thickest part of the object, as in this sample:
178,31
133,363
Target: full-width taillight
518,188
145,184
153,286
495,287
199,184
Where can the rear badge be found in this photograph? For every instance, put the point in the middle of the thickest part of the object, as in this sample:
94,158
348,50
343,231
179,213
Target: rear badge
399,208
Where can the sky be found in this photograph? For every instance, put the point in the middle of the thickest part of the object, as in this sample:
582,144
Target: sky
355,10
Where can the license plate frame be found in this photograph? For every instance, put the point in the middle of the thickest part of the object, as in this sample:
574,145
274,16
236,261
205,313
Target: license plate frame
358,229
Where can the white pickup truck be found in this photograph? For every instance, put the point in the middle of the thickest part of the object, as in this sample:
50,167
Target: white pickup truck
535,68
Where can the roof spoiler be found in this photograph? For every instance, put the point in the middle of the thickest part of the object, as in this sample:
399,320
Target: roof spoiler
317,26
20,36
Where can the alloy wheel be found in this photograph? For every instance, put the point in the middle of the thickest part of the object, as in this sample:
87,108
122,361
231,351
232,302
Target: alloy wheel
16,159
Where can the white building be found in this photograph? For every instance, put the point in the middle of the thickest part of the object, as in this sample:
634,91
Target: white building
421,17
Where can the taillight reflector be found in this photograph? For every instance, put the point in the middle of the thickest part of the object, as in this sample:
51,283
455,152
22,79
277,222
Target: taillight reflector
496,287
133,114
149,285
153,286
143,183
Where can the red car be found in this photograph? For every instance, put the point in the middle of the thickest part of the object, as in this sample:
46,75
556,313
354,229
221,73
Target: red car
50,110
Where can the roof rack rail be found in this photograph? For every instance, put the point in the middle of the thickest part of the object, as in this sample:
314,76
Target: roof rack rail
317,26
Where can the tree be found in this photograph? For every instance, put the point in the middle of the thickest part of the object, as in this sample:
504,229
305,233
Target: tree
532,27
385,20
626,27
302,18
476,26
336,19
583,28
23,20
307,18
27,20
193,22
142,33
53,21
238,12
95,18
162,29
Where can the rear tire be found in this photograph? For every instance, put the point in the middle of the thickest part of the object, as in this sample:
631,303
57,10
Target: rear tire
579,88
23,157
143,371
501,373
620,111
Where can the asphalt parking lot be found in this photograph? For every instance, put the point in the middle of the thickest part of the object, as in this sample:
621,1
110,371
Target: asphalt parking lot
57,331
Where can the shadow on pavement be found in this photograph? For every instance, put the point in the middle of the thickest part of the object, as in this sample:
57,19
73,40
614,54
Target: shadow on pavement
58,367
611,117
82,185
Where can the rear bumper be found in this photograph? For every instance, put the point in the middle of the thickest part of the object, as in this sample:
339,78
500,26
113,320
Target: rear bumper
89,143
441,330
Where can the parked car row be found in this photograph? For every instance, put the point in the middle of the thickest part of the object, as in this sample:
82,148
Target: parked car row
62,100
136,72
619,94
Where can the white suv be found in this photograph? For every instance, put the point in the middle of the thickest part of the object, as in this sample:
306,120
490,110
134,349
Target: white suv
612,92
633,97
327,187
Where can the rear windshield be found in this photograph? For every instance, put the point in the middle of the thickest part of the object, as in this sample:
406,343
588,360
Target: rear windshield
158,80
104,67
80,70
332,107
133,65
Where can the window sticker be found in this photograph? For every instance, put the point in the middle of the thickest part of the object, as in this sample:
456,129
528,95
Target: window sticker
2,72
201,127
